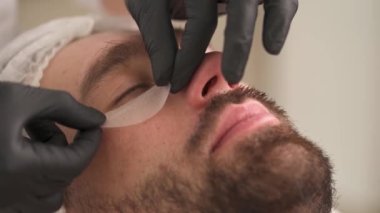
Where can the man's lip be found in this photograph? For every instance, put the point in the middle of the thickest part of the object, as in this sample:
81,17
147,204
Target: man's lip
240,120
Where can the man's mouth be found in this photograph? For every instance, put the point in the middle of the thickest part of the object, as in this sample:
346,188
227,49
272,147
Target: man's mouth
241,120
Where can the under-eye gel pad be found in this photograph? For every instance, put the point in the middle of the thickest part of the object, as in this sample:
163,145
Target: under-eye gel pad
139,109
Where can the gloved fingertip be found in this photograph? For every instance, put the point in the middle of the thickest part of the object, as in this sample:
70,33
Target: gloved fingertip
182,77
86,143
91,135
94,133
54,202
98,116
175,88
233,80
162,74
232,76
161,82
273,47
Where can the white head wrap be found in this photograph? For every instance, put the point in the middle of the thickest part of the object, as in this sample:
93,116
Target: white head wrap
26,57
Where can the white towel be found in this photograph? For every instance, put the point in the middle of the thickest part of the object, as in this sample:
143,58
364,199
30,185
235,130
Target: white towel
25,58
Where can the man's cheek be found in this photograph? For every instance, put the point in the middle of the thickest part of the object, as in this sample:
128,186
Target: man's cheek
119,159
137,145
69,133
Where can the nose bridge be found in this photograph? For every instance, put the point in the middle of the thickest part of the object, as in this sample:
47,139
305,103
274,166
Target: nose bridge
207,82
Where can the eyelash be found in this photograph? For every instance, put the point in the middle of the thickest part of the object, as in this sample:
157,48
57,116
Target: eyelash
130,91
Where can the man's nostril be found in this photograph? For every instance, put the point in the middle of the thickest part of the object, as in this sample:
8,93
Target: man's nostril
208,85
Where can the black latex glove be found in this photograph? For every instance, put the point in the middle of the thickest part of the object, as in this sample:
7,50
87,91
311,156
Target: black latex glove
34,171
154,21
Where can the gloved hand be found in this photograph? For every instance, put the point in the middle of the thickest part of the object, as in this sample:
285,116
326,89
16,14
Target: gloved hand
34,171
154,21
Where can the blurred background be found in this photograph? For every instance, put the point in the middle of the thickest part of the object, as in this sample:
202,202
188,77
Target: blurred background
327,78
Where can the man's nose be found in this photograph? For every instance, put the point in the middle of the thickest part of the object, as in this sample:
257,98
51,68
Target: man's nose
207,82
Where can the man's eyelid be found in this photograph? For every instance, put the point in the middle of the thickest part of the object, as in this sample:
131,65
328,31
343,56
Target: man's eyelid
128,92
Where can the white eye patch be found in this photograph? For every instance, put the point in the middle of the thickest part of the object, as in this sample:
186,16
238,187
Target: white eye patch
139,109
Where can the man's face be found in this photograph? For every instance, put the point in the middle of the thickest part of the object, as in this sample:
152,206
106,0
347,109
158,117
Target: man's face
214,147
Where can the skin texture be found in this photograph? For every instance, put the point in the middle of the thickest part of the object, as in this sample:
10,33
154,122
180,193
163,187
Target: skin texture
165,164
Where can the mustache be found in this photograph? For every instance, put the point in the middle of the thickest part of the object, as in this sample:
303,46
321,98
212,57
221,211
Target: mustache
237,96
215,106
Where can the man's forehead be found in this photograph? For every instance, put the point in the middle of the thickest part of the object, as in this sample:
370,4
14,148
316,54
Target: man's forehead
74,61
93,47
105,37
96,45
116,54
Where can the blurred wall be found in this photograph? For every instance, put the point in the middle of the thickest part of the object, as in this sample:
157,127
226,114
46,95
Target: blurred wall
327,78
34,12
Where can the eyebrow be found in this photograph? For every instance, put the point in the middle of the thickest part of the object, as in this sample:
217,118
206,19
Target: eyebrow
119,54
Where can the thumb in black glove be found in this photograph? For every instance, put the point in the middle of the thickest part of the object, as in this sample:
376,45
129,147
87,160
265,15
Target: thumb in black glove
34,171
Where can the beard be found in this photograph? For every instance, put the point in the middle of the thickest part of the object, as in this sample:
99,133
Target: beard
272,170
